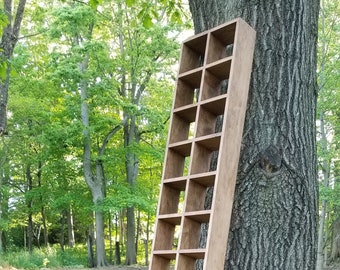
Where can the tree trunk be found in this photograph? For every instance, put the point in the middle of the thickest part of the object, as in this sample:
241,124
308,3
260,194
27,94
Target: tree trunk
131,166
62,232
90,254
8,41
4,201
70,229
336,240
29,209
94,182
274,220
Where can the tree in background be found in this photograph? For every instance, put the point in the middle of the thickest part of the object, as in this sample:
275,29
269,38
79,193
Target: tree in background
10,36
10,24
274,221
328,136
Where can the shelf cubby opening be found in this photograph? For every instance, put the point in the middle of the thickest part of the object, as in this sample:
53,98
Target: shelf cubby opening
161,261
188,262
221,43
216,80
188,89
207,121
166,236
182,124
204,179
201,159
195,197
170,200
193,53
176,165
191,232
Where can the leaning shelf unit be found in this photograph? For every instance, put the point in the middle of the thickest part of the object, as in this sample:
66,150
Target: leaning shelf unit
207,120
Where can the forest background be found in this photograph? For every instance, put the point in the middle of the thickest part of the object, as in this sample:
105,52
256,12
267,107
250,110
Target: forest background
90,93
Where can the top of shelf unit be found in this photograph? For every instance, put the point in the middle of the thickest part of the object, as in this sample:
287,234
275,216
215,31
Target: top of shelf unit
207,47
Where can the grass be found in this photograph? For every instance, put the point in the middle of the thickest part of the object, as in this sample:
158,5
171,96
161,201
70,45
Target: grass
48,257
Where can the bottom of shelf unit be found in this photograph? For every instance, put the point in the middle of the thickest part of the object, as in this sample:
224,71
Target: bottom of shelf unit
193,253
166,254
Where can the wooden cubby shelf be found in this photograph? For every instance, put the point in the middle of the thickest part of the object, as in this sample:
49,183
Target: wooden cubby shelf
203,149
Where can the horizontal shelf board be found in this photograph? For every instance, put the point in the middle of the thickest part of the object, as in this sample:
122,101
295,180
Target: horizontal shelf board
220,68
167,254
192,77
211,142
177,183
216,105
183,148
193,253
174,219
202,216
197,41
204,179
187,112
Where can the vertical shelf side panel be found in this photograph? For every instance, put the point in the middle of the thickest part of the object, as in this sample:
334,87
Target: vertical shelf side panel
230,146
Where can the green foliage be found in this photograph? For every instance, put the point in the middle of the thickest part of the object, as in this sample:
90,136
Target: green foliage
130,48
3,20
45,258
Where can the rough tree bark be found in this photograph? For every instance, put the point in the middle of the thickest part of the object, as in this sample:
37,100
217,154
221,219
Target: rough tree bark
274,220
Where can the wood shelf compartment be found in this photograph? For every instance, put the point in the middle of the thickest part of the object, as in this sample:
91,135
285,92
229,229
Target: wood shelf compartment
167,237
161,260
216,79
208,117
193,53
195,199
191,234
171,200
201,159
177,164
183,124
220,44
187,90
187,261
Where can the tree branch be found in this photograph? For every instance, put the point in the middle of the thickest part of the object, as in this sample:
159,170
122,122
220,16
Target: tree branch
109,136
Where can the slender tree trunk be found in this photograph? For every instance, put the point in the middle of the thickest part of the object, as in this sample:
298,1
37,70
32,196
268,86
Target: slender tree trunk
336,240
8,41
90,253
322,218
4,196
131,166
62,233
117,244
138,229
335,253
94,182
110,237
325,163
147,240
70,229
29,207
274,220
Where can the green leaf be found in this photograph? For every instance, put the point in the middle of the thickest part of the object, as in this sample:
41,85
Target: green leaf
147,21
130,3
3,69
94,3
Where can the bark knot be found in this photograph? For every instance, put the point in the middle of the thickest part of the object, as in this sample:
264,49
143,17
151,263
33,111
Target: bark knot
271,160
